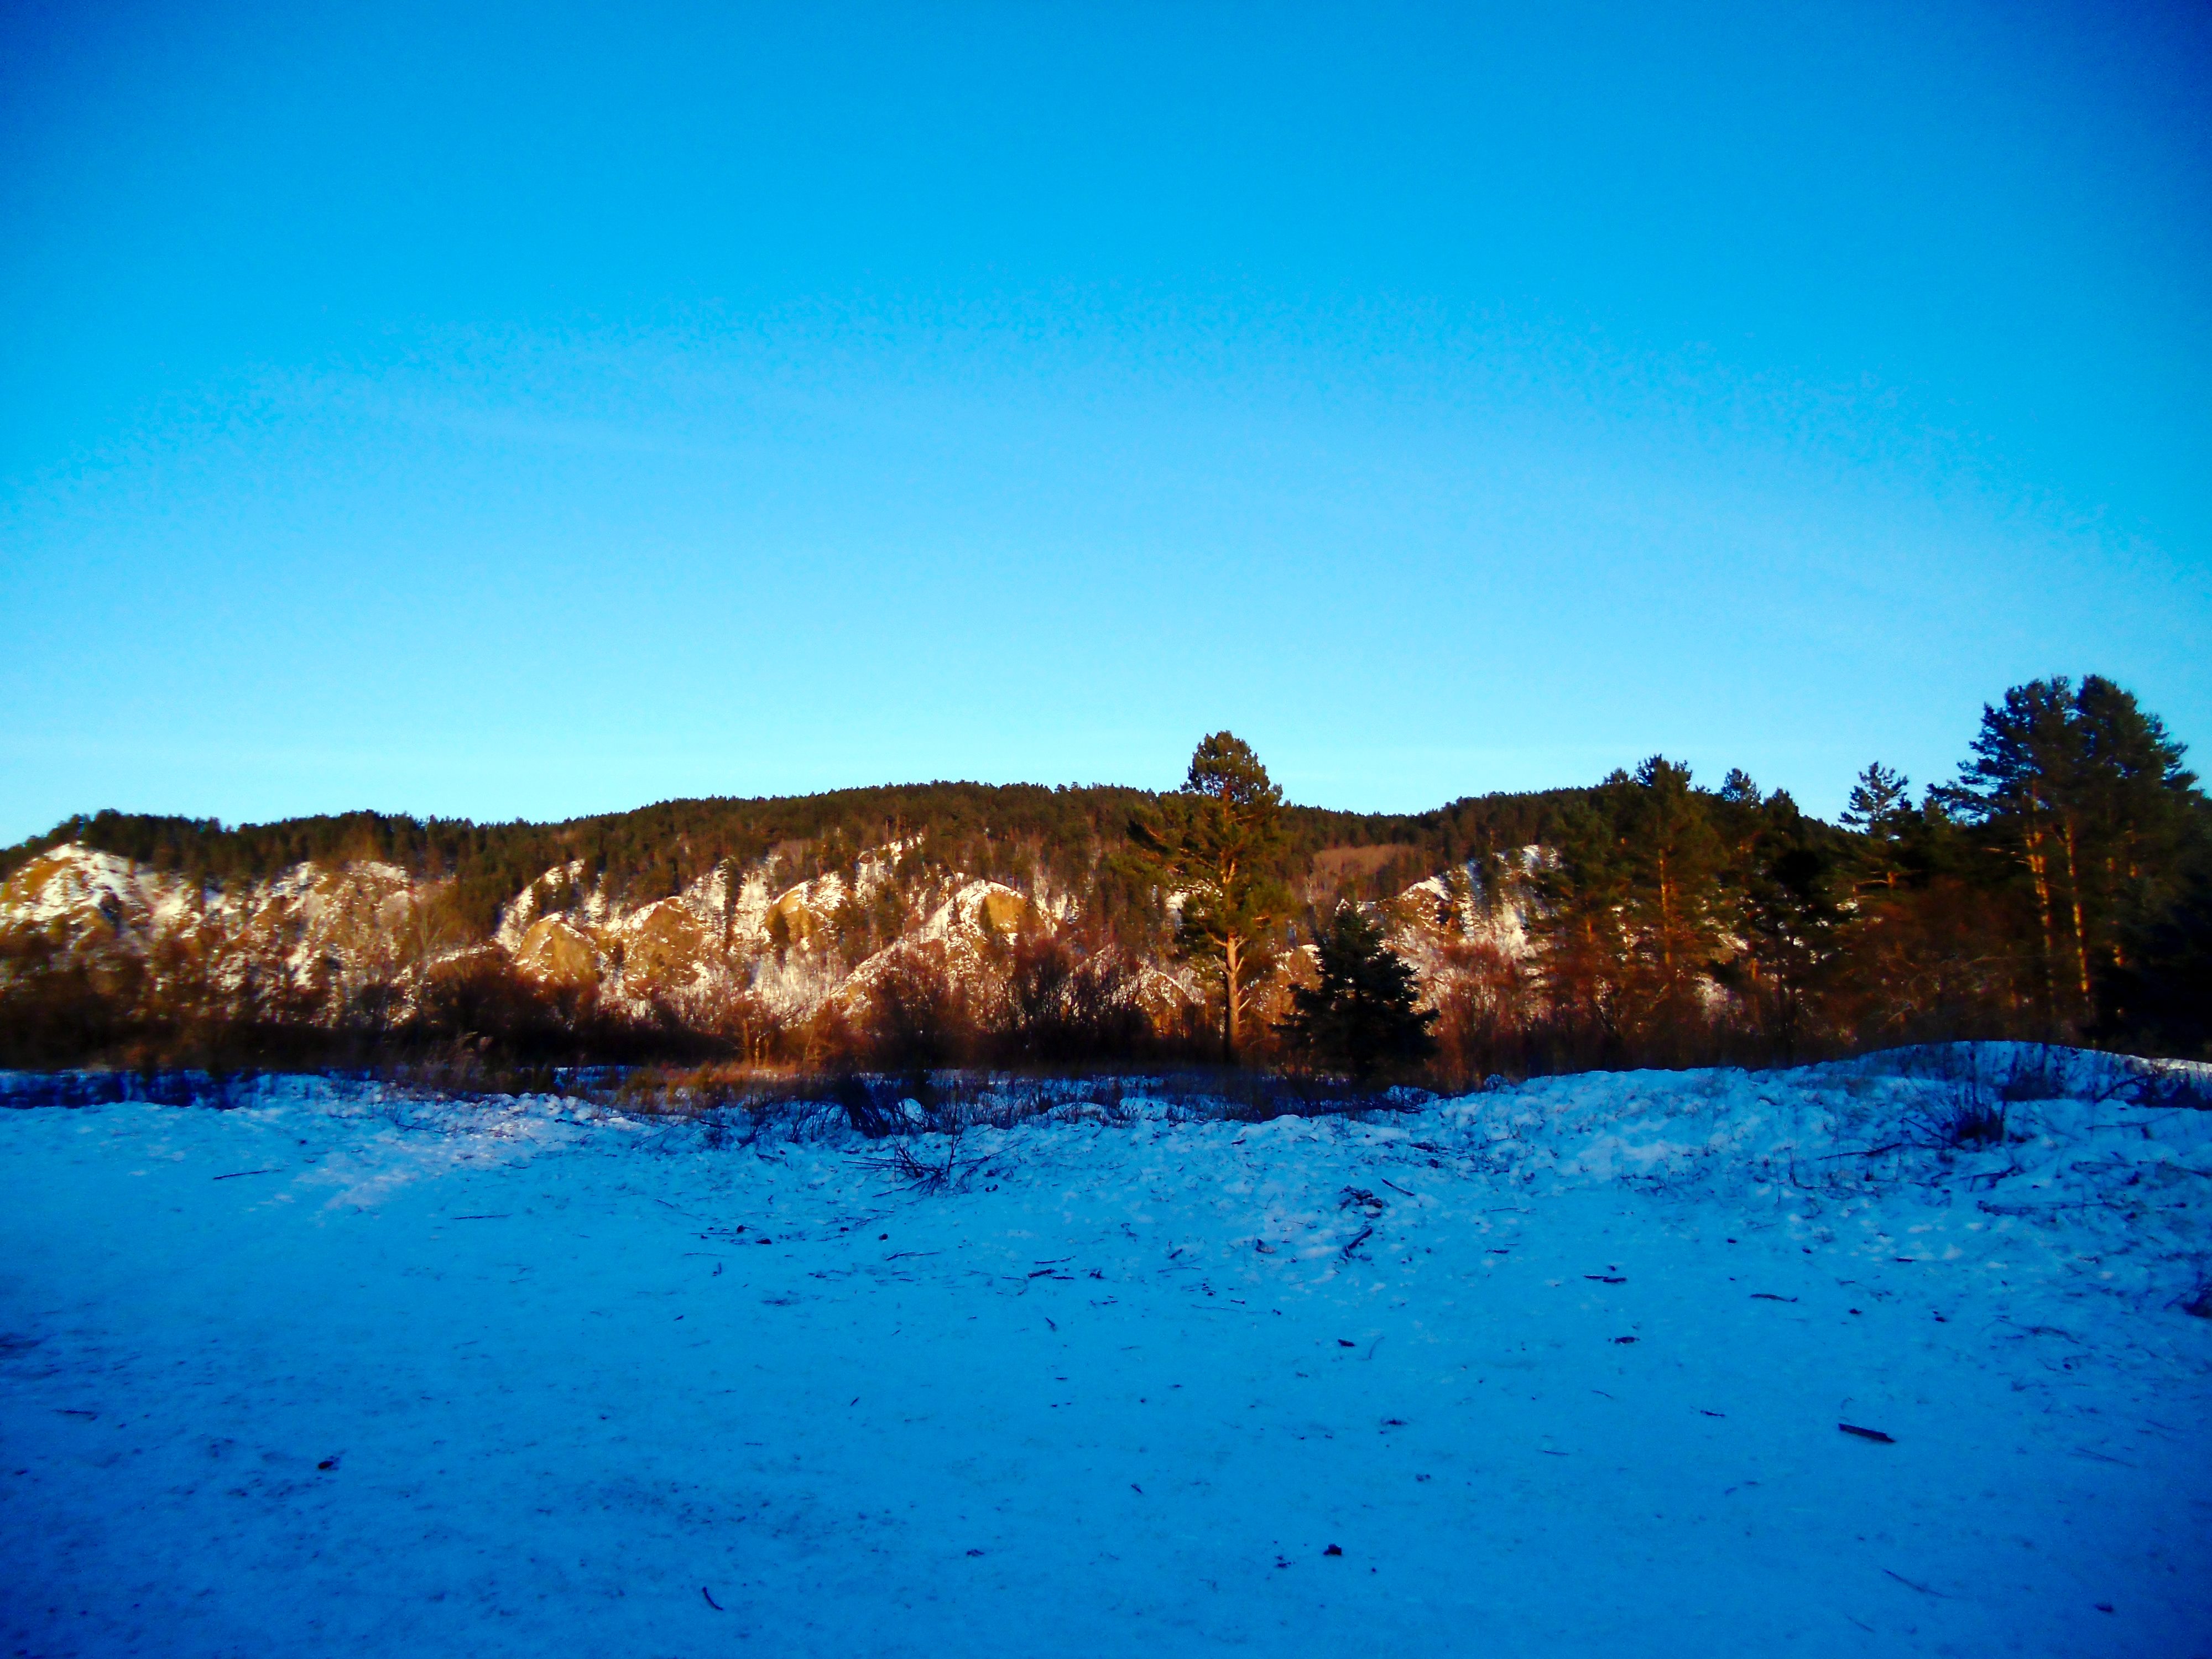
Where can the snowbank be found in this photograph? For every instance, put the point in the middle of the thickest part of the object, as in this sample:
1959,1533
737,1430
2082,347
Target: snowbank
1555,1368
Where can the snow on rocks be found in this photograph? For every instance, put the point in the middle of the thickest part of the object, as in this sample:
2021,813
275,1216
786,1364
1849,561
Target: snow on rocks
87,899
1646,1363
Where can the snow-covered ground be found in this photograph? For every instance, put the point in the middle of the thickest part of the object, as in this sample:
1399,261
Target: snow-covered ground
1556,1370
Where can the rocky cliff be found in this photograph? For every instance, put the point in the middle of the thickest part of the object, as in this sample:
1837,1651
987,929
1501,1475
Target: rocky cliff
737,952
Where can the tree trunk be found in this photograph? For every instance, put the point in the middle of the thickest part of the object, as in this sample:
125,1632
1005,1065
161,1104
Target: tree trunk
2074,895
1230,970
2038,864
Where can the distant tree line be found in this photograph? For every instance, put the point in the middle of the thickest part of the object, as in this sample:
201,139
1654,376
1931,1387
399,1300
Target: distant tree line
1078,836
2059,887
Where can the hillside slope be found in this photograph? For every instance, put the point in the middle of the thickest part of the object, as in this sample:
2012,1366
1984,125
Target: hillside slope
778,948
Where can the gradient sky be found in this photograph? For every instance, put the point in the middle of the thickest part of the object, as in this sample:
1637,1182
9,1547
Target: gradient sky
531,409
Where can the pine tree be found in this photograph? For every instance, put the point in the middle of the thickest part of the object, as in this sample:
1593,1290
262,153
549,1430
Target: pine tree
1881,803
1674,861
2148,824
1738,788
1783,913
1583,892
2086,794
1361,1015
2161,993
1633,907
1218,842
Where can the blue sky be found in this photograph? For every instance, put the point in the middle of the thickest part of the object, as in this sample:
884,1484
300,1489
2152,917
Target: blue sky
532,411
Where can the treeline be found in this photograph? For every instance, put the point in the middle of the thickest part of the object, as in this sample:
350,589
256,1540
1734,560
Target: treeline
1073,835
1052,1000
2058,888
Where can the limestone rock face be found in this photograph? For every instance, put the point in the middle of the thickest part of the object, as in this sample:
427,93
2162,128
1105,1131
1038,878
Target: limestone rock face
793,918
665,945
74,900
320,934
326,941
557,952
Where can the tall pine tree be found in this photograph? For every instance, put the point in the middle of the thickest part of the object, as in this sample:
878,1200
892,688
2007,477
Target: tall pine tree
1879,808
2086,795
1219,841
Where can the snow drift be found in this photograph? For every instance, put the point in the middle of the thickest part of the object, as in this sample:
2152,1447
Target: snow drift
1879,1358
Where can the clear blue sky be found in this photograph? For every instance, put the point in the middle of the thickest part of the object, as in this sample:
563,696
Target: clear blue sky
534,410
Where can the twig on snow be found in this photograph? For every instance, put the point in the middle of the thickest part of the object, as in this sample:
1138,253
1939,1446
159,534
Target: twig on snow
1922,1589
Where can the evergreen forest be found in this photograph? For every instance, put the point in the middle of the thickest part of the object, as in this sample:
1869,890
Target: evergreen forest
2057,887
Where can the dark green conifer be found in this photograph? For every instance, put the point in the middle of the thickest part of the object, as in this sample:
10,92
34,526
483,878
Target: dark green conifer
1361,1015
2086,794
1880,809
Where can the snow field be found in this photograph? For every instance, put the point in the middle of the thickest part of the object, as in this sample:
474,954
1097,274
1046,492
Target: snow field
1558,1368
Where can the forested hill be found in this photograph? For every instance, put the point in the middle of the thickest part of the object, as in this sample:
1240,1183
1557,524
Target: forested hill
2059,888
997,831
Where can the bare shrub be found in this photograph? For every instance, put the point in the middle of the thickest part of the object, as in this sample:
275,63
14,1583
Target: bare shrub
920,1016
871,1105
1971,1114
916,1163
1062,1006
1973,1122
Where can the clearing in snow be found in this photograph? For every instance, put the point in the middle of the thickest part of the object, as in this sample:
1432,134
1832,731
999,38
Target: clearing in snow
1691,1363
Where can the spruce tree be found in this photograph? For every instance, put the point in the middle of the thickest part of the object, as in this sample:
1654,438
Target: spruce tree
1361,1016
